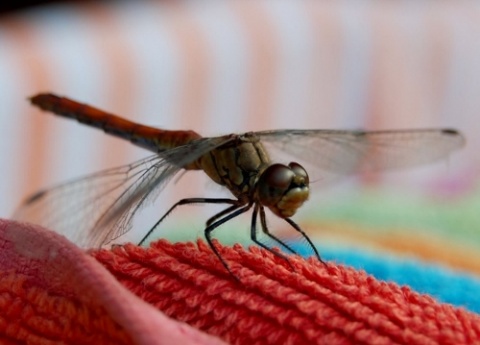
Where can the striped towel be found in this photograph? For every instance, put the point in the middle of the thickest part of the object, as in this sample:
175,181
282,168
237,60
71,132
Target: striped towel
51,292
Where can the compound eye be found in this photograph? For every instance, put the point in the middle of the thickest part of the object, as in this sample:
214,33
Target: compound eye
274,182
278,176
299,171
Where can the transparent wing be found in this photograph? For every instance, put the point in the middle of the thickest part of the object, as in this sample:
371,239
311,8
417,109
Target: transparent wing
94,210
339,152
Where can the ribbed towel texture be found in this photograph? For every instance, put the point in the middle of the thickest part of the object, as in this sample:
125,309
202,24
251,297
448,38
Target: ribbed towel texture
51,292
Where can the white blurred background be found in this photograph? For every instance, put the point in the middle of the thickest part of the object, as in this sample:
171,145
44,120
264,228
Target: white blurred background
233,66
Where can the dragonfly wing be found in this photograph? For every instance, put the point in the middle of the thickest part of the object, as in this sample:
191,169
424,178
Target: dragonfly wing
119,216
340,152
98,208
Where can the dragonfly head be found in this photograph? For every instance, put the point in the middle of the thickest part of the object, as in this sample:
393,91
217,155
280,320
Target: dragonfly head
283,189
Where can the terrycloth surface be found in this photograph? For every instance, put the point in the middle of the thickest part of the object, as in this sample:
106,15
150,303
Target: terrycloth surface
50,289
51,292
316,304
443,283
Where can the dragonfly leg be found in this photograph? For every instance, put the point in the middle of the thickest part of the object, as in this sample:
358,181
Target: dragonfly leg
186,202
253,235
304,235
219,215
263,220
234,212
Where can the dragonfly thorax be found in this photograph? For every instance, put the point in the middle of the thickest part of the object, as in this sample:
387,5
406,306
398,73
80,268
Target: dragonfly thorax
283,189
236,165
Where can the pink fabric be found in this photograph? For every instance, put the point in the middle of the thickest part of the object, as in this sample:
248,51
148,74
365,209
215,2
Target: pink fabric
42,259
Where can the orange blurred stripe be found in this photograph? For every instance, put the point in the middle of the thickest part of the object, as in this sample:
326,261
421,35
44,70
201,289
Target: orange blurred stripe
196,64
263,69
118,66
37,74
397,240
327,59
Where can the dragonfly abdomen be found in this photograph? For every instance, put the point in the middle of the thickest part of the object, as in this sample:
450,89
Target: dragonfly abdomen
153,139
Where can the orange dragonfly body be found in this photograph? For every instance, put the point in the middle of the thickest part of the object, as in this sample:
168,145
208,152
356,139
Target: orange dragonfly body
97,209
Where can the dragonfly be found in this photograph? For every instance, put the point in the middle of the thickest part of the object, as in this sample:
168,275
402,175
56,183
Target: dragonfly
97,209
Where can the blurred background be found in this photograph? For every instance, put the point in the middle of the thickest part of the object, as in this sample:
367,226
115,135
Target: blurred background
232,66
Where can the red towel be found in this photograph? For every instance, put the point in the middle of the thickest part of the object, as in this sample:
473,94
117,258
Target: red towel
51,291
